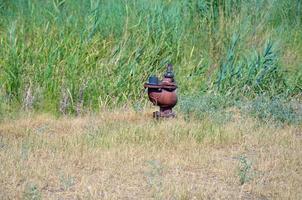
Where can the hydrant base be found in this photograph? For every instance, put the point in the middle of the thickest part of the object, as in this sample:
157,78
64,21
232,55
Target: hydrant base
165,114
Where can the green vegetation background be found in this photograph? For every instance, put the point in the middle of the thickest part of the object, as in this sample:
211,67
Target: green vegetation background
66,55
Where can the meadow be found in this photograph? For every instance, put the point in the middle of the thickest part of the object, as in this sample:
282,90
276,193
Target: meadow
122,154
76,123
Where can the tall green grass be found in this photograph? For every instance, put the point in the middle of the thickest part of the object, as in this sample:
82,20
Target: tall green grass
70,55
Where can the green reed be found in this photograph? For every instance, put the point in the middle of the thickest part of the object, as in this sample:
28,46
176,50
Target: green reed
65,55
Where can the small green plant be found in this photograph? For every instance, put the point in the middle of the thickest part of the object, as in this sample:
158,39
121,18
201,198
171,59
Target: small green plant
154,176
2,143
66,181
245,170
25,150
32,192
207,105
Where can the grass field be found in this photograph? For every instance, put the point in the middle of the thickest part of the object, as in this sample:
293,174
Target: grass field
127,155
75,121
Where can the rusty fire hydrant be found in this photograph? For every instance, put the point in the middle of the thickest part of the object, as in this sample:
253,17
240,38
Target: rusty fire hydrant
163,93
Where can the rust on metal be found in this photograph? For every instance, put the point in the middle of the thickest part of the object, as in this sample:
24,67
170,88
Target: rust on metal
163,93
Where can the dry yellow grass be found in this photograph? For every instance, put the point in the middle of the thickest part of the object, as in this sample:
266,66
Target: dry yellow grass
127,155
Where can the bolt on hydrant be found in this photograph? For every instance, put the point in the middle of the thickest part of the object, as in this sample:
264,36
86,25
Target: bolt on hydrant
163,93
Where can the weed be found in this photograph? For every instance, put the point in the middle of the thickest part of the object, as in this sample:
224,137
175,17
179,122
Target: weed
2,143
245,170
206,106
278,109
25,150
66,181
154,177
218,107
32,192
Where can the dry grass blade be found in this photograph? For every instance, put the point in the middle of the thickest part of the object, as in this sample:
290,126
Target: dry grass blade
127,155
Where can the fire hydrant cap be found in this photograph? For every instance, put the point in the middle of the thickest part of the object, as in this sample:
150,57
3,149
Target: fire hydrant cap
153,80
